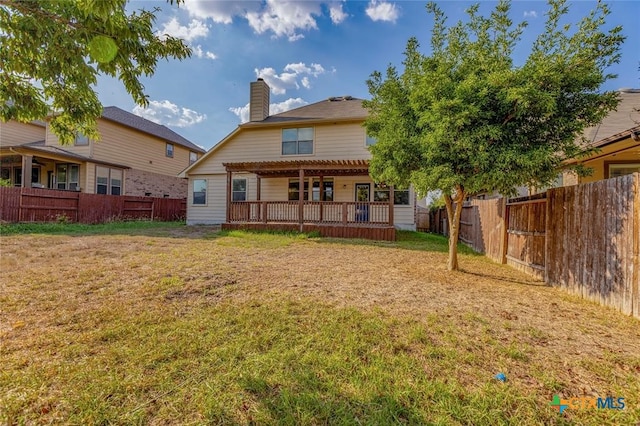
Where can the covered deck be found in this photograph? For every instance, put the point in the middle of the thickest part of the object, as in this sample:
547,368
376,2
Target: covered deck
354,219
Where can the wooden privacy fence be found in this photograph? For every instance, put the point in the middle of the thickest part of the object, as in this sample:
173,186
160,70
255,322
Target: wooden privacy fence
48,205
584,239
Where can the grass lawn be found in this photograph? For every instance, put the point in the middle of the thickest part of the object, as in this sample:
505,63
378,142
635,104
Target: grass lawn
167,324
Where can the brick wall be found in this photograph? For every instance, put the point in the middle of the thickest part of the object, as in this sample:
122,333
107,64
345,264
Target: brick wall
141,183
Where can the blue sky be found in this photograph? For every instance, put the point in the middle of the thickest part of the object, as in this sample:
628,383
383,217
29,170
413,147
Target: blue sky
307,51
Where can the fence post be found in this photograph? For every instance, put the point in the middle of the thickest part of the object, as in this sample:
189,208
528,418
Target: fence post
635,289
547,233
20,205
504,249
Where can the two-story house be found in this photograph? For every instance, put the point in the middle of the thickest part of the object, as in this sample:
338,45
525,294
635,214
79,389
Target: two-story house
133,157
305,169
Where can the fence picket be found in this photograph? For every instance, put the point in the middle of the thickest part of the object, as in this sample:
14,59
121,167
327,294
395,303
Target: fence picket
47,205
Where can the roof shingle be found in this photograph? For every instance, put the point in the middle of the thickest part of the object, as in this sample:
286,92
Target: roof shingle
338,108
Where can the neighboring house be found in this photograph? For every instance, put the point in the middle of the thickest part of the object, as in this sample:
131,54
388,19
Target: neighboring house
133,157
618,141
307,168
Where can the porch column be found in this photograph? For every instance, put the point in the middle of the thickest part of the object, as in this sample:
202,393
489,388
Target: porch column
321,196
228,196
27,165
391,202
301,198
258,184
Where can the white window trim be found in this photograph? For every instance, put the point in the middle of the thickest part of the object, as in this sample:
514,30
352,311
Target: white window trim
109,180
622,165
313,142
246,188
206,195
366,145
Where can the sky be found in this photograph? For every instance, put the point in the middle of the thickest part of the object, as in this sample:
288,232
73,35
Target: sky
308,51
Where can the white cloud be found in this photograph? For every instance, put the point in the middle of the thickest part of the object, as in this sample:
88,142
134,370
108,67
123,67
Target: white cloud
281,18
530,14
195,29
277,108
285,18
221,12
382,11
197,50
337,14
293,76
169,114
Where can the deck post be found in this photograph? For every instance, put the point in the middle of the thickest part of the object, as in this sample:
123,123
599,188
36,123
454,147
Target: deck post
301,198
258,185
344,214
264,211
321,196
391,203
228,196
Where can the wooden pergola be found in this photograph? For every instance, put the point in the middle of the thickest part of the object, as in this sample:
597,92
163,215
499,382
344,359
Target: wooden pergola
300,169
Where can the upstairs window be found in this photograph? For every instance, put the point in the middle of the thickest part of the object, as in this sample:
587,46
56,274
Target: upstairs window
170,150
370,140
297,141
193,157
81,139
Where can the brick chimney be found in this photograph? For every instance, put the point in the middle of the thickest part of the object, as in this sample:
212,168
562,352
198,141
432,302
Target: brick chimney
259,100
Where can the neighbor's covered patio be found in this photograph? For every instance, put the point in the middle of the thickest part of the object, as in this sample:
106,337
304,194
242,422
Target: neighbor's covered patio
360,218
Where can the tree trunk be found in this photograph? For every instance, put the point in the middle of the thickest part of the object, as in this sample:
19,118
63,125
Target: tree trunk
453,216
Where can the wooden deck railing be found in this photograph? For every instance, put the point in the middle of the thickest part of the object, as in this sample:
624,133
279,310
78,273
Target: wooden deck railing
348,213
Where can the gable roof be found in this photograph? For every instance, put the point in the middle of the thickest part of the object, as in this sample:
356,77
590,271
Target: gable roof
136,122
340,108
625,118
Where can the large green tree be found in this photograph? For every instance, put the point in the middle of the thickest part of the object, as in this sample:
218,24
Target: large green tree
465,118
52,52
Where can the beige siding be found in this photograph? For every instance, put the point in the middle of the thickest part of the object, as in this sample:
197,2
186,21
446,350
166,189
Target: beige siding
15,133
277,189
331,142
52,140
124,146
343,141
214,211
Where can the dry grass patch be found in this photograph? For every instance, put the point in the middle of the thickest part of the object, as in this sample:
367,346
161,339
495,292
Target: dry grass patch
186,325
